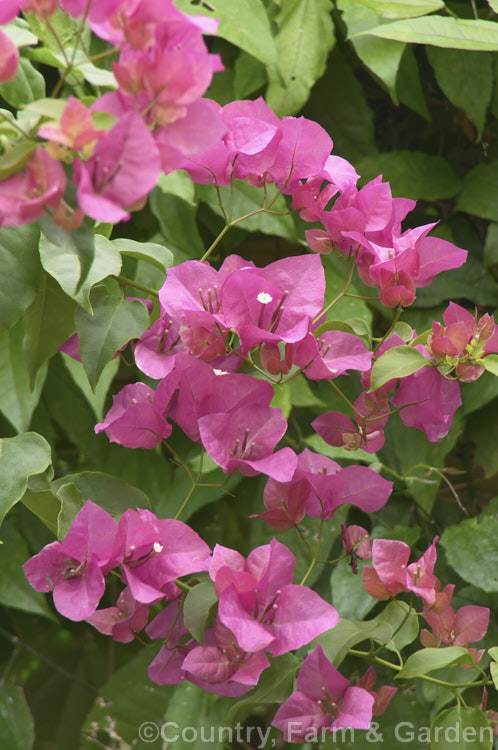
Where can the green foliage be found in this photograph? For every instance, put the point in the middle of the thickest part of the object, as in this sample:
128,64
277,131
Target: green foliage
396,363
471,550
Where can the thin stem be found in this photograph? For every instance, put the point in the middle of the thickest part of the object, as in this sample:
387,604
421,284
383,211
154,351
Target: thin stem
345,398
425,677
399,310
182,585
14,125
234,223
315,555
348,276
123,281
445,479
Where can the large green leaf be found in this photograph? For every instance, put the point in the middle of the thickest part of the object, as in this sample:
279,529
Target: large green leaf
16,722
413,174
430,659
456,73
440,31
395,627
48,323
461,728
68,256
110,493
15,591
193,713
472,551
398,362
409,84
27,86
381,56
244,24
479,195
17,400
20,264
125,703
402,8
95,397
114,322
150,252
304,39
20,457
177,219
348,593
352,124
196,608
61,255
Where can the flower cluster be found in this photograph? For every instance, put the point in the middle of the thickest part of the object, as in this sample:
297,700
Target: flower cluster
260,609
391,574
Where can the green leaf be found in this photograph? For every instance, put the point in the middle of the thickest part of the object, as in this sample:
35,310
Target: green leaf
351,124
409,84
197,605
304,39
20,457
19,33
150,252
461,728
493,652
429,659
355,326
348,593
71,504
192,707
490,362
456,73
125,702
60,258
27,86
470,282
15,590
51,108
15,157
16,722
243,23
48,322
491,246
394,627
110,493
17,400
44,504
97,397
114,322
494,673
398,362
471,550
177,219
412,174
20,264
402,8
68,256
274,686
441,32
479,195
381,56
249,76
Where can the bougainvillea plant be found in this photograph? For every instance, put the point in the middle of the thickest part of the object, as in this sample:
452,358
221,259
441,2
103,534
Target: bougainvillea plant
217,348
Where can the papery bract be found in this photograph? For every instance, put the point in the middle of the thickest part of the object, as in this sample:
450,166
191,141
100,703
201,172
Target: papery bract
123,169
133,420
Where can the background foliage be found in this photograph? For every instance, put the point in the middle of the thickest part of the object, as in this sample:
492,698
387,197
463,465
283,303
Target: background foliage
407,89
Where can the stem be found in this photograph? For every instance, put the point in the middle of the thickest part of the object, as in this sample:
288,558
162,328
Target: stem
445,479
315,556
183,586
123,281
345,399
234,223
425,677
348,275
399,310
